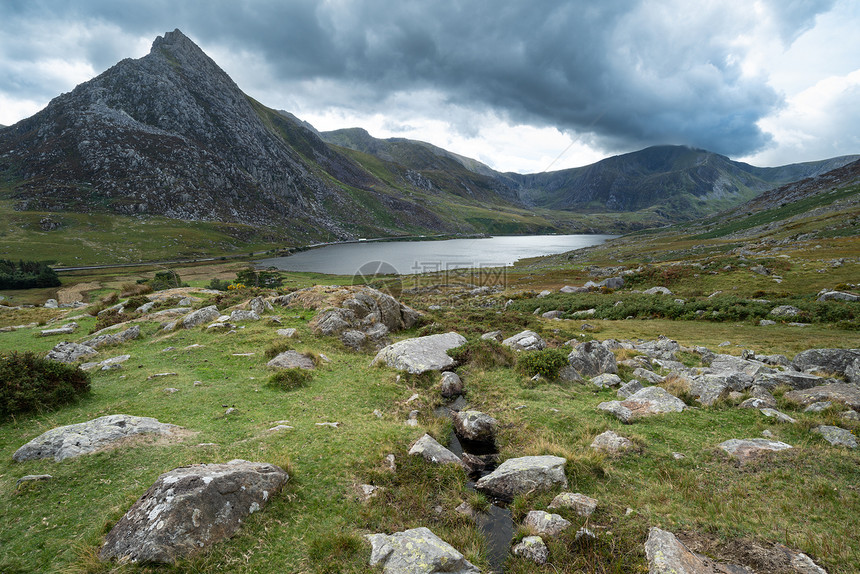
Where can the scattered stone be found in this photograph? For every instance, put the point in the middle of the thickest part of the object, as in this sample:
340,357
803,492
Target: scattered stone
417,551
556,314
767,434
421,354
657,291
83,438
568,374
51,304
532,548
579,503
591,358
451,385
583,314
525,474
200,316
610,442
837,436
66,352
158,375
785,311
545,524
791,379
289,333
780,417
366,492
747,449
606,381
725,344
571,289
277,428
760,270
333,425
292,360
668,555
492,336
260,306
171,390
525,341
544,293
850,416
430,450
353,339
474,425
818,407
191,508
629,389
64,330
466,509
32,478
766,323
679,456
230,411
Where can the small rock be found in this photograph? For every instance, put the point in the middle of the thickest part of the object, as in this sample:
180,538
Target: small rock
818,407
430,450
780,417
532,548
451,385
525,341
545,524
289,333
474,425
611,442
417,551
579,503
585,535
291,360
492,336
33,478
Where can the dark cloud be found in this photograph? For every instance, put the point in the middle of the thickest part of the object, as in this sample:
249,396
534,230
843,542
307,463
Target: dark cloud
627,73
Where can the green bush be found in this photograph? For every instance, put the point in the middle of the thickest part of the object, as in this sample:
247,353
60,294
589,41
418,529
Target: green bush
264,279
546,363
290,379
218,285
105,320
165,280
135,302
31,383
483,354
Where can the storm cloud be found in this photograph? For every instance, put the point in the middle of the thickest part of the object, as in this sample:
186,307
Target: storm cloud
619,75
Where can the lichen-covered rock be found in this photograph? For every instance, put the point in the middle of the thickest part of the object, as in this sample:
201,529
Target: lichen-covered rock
532,548
260,306
474,425
292,360
430,450
611,442
746,449
837,436
421,354
845,362
525,341
518,475
239,315
591,358
417,551
666,555
645,402
545,524
200,316
191,508
606,381
629,389
74,440
579,503
66,352
784,311
834,392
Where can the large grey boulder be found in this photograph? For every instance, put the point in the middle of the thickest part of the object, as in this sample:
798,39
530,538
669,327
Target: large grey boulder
201,316
835,392
826,296
747,449
191,508
66,352
260,306
518,475
525,341
292,360
645,402
591,358
74,440
792,379
430,450
107,339
474,425
421,354
845,362
417,551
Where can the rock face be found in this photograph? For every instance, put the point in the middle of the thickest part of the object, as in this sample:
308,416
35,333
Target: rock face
524,474
200,316
845,362
835,392
474,425
421,354
190,508
417,551
83,438
525,341
66,352
591,358
747,449
430,450
292,360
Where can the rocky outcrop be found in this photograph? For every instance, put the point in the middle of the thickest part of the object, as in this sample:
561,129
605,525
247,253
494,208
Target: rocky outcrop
200,316
837,436
421,354
645,402
834,392
66,352
844,362
108,339
417,551
525,341
525,474
83,438
591,358
191,508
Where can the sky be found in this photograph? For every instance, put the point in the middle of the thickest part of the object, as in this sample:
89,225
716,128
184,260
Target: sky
524,86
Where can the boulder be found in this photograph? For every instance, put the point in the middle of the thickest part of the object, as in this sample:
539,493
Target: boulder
826,296
105,340
83,438
532,548
667,555
556,314
657,291
417,551
64,330
791,379
242,315
421,354
834,392
579,503
629,389
545,524
747,449
289,333
525,474
785,311
845,362
474,425
525,341
66,352
606,381
708,389
611,442
353,339
191,508
591,358
333,321
775,414
646,402
661,348
292,360
492,336
51,304
430,450
451,385
649,376
837,436
200,316
260,306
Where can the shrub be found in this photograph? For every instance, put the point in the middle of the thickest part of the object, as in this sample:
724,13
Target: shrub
218,285
26,275
546,363
264,279
31,383
135,302
290,379
483,354
165,280
107,319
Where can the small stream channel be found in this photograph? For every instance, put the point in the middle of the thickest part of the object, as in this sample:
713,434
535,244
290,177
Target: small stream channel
496,523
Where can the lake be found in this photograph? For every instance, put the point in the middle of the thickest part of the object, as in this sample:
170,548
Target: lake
408,257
